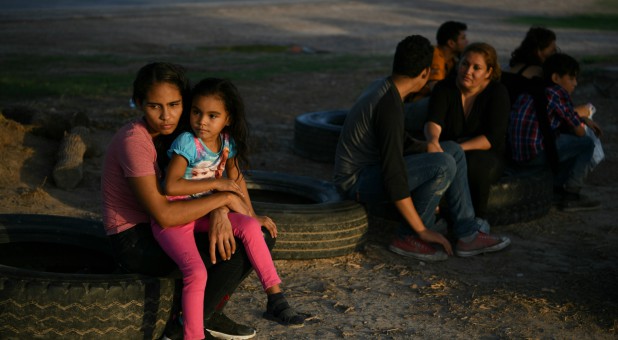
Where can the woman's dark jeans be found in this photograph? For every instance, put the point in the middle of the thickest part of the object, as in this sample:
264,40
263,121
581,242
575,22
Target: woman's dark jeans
137,251
485,168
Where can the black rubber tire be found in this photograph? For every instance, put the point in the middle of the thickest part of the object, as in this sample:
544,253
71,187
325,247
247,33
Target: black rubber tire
313,221
316,134
58,280
514,199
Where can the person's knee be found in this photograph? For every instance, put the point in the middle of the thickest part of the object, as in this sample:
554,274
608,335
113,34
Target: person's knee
448,165
452,148
249,228
195,275
245,227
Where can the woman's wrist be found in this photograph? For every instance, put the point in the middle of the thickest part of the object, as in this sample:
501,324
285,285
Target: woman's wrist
221,210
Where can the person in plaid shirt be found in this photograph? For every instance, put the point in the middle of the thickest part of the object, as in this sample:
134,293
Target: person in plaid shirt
567,124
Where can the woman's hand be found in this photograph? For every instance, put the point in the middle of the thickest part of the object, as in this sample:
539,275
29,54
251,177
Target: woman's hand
432,133
431,236
238,204
220,235
269,224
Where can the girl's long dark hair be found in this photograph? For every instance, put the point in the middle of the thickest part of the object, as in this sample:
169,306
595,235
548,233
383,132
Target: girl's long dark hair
238,128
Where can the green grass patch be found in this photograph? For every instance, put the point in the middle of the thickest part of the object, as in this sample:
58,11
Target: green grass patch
608,22
599,59
87,85
31,77
265,66
247,49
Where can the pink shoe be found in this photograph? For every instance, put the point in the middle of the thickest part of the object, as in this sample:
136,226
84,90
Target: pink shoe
483,243
412,246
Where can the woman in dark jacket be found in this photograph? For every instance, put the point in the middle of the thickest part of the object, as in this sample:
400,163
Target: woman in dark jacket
472,109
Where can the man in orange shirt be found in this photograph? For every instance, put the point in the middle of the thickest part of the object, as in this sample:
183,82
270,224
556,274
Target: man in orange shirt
452,40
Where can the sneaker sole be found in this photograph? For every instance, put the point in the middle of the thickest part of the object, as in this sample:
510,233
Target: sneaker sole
439,256
225,336
467,253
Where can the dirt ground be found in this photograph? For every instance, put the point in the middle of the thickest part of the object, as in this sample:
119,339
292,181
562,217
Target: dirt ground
557,280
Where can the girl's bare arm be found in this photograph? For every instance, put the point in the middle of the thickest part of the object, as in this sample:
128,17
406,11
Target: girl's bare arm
176,184
171,213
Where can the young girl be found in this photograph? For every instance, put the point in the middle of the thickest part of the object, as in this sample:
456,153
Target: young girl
198,161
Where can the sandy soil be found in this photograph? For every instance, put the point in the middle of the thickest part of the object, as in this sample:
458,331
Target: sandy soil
557,280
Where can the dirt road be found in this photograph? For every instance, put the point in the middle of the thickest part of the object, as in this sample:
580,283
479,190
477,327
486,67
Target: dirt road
557,280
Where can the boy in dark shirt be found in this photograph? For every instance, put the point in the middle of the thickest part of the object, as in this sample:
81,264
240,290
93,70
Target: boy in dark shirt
376,161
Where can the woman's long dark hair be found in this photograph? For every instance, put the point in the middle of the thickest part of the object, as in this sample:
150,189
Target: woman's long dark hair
537,38
163,72
235,107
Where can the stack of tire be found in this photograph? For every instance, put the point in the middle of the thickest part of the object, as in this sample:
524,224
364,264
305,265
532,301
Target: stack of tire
58,277
312,218
514,198
316,134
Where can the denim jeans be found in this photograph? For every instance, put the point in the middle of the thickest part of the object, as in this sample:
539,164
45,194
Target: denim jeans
458,199
430,176
575,157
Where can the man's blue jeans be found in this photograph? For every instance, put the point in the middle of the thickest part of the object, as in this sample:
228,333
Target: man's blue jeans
430,176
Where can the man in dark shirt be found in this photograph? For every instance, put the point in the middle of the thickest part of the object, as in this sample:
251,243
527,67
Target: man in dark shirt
376,161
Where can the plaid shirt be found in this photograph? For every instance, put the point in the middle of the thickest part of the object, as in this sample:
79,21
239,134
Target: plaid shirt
525,137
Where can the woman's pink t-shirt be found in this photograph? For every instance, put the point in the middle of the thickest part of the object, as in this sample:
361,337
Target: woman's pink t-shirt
131,153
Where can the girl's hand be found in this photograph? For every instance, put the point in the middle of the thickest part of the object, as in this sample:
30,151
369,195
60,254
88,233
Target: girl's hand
224,184
269,224
220,235
431,236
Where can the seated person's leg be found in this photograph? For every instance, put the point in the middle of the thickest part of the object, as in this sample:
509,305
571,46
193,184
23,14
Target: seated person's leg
225,276
137,251
223,280
575,154
484,169
457,196
577,150
472,233
429,177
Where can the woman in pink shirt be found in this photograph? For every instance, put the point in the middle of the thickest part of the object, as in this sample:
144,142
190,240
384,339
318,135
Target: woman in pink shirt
132,194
